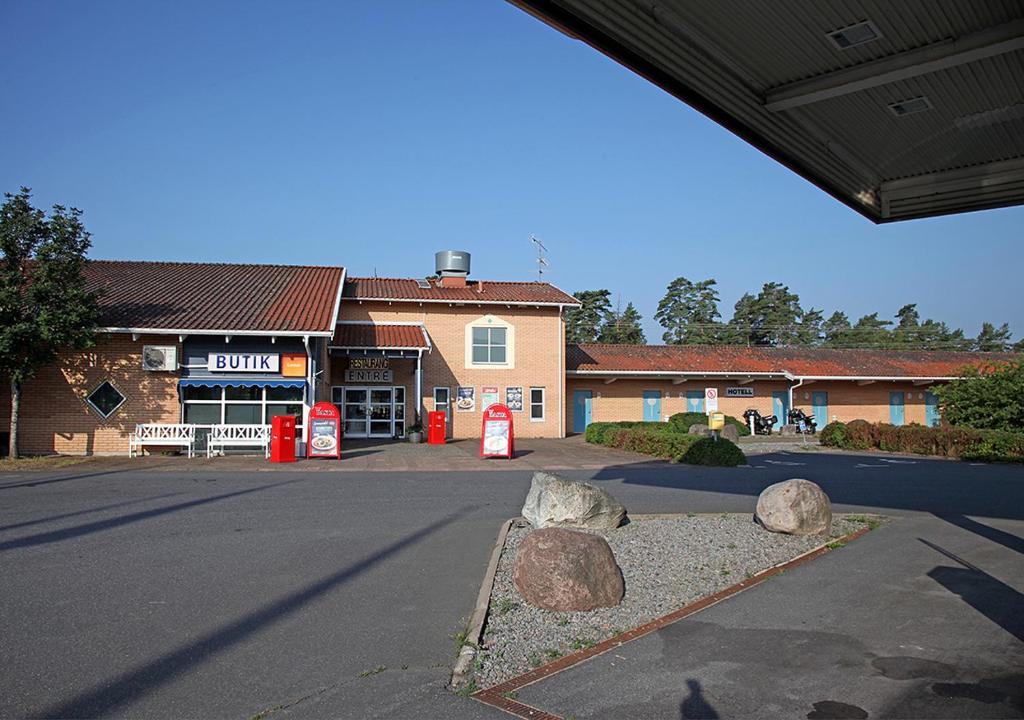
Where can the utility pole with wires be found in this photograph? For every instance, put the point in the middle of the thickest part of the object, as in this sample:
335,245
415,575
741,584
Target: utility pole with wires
541,260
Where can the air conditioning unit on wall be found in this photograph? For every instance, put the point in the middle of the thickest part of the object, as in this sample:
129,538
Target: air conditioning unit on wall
159,357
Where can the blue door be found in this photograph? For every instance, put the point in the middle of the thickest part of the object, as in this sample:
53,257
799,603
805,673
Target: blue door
582,412
780,406
652,405
896,408
695,401
819,408
931,409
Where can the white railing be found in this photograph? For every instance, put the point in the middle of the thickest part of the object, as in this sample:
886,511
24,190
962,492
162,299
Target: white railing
224,436
180,435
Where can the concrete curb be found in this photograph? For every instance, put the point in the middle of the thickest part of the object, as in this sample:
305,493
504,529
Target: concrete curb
502,695
461,672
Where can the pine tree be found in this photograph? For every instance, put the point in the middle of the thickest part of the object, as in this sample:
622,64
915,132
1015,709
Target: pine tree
583,324
689,313
836,330
993,339
771,318
624,328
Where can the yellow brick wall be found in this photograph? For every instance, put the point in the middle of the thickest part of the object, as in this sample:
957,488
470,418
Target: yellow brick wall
55,418
623,399
538,362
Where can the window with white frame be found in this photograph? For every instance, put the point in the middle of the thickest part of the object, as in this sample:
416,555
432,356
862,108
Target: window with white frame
241,405
536,404
105,399
490,345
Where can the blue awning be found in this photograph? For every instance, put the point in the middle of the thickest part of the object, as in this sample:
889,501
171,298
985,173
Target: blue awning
240,382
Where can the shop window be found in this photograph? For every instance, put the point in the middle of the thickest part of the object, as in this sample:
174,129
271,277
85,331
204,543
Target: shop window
242,414
251,393
536,404
201,414
105,399
490,341
284,394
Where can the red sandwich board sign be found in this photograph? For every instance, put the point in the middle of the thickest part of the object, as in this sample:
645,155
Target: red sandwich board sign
496,435
323,431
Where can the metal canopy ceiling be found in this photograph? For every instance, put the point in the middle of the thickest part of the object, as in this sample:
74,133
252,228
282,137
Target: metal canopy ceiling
924,118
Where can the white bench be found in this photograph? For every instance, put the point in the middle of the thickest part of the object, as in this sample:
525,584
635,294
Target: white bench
179,435
225,436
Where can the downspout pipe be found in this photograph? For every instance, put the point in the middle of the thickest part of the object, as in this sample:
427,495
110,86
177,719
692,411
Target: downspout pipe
785,421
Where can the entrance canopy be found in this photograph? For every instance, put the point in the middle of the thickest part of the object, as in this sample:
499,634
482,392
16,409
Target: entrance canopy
392,339
899,110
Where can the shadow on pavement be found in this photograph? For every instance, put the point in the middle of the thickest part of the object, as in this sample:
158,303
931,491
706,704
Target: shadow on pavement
101,508
694,705
143,680
53,536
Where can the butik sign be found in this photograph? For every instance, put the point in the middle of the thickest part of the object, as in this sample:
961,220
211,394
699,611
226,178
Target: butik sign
244,362
324,431
496,435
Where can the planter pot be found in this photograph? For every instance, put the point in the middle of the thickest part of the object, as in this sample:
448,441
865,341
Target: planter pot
415,437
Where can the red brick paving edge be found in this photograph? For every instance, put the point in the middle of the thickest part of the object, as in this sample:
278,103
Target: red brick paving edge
496,695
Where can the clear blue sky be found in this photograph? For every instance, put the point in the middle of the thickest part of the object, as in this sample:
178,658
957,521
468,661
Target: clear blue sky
373,134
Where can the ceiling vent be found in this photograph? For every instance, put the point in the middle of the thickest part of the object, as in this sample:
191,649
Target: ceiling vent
854,35
911,106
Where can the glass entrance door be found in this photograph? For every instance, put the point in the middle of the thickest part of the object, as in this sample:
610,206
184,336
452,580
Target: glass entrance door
374,412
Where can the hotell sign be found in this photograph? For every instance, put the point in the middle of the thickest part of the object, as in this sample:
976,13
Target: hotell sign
368,370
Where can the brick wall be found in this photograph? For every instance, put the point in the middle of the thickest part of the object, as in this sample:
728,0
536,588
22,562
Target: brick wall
55,417
623,399
538,361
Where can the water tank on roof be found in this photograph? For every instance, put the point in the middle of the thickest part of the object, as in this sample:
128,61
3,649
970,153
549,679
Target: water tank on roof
451,262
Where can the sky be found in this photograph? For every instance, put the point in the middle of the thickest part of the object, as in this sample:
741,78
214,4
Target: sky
372,135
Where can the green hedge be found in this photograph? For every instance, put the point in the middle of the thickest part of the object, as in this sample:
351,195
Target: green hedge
683,421
943,441
662,440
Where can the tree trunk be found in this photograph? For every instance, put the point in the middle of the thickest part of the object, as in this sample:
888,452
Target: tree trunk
15,405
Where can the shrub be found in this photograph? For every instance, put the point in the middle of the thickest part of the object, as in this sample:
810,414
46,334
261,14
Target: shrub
657,442
681,422
708,451
596,432
943,441
834,435
989,398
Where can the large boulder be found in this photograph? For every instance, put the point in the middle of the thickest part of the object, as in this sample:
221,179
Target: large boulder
795,507
731,433
567,570
699,429
556,502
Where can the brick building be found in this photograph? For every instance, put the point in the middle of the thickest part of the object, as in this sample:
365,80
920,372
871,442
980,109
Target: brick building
222,344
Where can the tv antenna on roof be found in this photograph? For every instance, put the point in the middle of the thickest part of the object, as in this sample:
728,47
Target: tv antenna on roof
541,260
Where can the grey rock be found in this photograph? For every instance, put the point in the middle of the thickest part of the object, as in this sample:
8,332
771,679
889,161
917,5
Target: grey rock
556,502
787,430
567,570
731,433
699,429
794,507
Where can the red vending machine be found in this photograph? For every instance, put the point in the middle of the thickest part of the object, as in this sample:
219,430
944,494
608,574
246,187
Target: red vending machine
323,431
282,438
496,436
437,427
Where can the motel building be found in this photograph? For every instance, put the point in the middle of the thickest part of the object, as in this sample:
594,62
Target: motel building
207,346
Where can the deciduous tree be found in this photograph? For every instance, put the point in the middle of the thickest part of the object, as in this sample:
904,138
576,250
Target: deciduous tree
45,306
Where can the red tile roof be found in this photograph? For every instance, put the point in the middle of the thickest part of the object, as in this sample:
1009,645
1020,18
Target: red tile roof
476,291
217,297
369,335
798,362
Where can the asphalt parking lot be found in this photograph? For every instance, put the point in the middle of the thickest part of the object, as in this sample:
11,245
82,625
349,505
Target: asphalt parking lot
216,594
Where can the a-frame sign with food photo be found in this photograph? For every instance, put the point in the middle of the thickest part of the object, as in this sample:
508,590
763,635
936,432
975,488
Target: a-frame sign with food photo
497,437
323,431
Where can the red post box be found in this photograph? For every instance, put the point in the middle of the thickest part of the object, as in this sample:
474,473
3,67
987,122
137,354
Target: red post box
437,427
282,438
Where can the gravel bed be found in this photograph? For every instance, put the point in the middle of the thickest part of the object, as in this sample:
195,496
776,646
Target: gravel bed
666,563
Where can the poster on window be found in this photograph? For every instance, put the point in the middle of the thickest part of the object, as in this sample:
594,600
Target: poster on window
465,399
514,399
488,397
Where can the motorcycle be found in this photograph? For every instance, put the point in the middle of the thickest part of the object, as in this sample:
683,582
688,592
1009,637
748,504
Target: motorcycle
759,425
805,424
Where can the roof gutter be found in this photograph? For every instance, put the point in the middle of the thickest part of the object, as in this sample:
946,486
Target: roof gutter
468,301
209,331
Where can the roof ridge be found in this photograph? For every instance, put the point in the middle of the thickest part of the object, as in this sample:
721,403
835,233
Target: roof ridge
213,264
353,278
